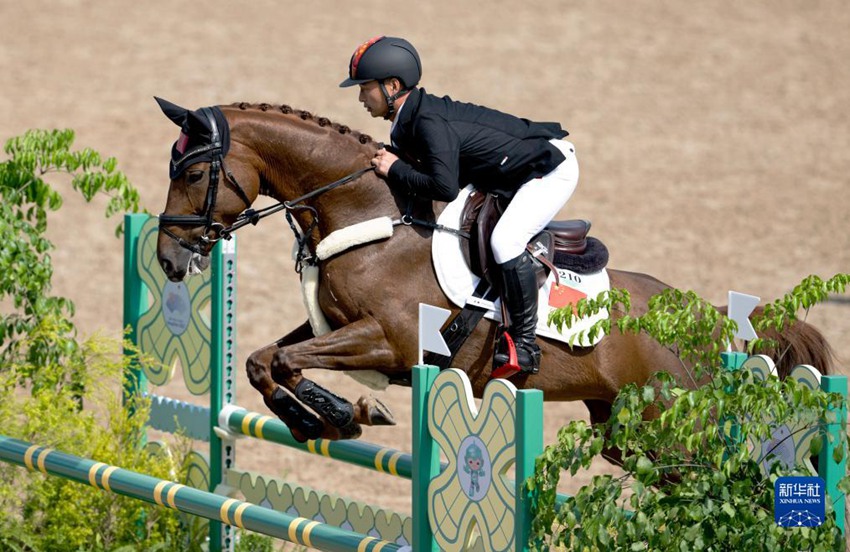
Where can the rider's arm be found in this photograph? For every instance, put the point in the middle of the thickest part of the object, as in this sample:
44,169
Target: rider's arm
436,176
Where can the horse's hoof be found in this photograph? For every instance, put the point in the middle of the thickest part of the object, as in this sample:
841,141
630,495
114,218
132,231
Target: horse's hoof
375,412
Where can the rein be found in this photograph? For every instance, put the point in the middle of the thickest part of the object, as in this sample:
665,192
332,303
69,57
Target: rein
253,216
249,216
408,220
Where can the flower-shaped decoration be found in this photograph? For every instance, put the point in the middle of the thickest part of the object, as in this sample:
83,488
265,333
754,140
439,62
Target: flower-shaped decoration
789,443
176,327
474,490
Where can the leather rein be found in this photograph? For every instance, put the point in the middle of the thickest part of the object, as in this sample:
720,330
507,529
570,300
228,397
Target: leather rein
215,231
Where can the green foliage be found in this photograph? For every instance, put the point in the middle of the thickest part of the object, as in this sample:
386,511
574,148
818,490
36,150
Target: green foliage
691,481
614,299
253,542
58,392
39,512
25,265
811,291
680,320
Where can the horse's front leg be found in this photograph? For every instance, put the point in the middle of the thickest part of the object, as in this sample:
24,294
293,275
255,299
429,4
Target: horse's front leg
300,421
361,345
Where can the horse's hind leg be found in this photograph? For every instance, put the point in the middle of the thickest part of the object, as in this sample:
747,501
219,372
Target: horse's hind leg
600,412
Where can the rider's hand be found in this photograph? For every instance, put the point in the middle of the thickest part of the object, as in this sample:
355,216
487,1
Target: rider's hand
382,161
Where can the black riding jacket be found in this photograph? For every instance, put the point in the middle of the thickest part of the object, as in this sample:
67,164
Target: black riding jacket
445,144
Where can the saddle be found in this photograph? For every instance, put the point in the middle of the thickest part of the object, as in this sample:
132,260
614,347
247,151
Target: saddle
558,243
562,244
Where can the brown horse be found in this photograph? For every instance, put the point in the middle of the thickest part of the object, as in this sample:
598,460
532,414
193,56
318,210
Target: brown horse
227,156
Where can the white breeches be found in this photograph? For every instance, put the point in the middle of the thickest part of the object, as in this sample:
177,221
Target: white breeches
534,205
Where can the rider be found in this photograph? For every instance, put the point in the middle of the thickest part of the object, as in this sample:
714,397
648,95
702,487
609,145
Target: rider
445,143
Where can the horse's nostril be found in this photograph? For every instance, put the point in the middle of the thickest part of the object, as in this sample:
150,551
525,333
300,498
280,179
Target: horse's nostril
172,272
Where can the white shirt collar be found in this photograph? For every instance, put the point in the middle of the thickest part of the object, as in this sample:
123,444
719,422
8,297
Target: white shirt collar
395,121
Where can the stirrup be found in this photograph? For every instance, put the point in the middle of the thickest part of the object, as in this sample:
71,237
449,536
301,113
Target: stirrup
509,368
507,365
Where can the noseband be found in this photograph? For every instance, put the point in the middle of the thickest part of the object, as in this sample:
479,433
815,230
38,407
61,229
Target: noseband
213,231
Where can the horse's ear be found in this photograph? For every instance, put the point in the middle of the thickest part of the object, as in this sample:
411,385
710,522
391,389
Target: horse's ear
174,112
196,122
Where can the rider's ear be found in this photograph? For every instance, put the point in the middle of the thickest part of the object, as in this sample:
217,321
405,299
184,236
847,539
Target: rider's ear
174,112
391,84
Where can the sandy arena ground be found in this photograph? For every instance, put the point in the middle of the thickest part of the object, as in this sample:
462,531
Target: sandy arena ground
713,140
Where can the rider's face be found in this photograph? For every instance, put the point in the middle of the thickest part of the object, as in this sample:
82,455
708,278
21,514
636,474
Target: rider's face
373,99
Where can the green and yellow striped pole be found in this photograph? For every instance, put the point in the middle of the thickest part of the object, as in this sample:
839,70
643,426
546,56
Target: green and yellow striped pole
239,421
187,499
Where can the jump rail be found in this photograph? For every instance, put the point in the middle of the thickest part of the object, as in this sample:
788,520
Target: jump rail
187,499
241,422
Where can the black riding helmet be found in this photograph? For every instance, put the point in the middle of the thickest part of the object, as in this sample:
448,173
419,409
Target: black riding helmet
381,58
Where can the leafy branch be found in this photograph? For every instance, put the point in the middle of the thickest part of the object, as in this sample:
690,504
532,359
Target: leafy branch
784,311
26,270
691,480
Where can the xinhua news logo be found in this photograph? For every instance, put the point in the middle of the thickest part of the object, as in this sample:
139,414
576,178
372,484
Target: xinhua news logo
799,501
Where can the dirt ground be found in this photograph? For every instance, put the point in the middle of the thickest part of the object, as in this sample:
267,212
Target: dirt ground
713,140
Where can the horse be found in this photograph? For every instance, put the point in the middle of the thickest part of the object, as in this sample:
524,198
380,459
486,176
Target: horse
318,170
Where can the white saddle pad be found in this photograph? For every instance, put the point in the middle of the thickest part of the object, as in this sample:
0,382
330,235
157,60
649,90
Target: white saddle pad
458,282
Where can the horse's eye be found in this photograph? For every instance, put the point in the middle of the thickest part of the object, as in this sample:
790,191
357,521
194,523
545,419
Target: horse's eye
194,176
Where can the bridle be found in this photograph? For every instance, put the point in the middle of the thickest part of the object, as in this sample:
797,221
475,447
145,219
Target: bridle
215,231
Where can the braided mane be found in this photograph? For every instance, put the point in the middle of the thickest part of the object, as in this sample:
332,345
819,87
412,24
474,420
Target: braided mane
307,116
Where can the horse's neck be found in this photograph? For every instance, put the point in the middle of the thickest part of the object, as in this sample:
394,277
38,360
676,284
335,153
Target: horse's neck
302,157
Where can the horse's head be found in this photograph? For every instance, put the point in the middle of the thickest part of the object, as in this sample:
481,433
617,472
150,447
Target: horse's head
206,195
300,160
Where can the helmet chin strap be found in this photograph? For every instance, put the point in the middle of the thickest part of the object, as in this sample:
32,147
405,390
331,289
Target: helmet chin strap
390,99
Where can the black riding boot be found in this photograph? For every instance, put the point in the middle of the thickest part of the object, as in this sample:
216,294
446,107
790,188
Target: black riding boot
519,292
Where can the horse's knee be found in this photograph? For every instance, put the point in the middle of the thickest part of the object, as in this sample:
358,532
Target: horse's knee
258,371
282,370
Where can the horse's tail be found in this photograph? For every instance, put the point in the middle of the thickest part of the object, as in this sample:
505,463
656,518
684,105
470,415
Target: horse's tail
798,343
